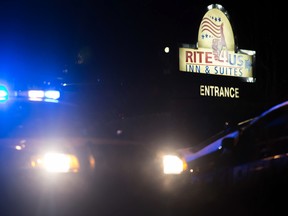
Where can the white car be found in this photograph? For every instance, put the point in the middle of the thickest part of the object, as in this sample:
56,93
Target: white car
55,151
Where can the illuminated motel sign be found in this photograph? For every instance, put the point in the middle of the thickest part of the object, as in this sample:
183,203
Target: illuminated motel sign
216,54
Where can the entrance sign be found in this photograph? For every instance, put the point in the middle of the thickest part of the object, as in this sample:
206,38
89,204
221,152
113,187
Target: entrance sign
216,53
219,91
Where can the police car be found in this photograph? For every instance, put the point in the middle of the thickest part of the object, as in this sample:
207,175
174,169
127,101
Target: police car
53,149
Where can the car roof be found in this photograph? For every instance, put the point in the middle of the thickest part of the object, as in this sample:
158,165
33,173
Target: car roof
268,111
214,142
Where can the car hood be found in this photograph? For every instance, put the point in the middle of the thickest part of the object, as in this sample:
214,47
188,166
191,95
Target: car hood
103,158
214,146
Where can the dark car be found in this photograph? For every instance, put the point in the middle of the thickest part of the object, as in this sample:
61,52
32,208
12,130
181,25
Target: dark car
57,158
246,164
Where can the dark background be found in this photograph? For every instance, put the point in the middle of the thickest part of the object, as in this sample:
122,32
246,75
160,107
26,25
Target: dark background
118,47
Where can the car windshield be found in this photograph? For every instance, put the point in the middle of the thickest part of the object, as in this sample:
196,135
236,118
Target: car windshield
229,130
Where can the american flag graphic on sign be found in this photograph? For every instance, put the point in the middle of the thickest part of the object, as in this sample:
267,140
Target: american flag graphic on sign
210,29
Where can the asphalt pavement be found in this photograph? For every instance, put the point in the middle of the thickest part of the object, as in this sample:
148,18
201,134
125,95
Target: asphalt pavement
117,197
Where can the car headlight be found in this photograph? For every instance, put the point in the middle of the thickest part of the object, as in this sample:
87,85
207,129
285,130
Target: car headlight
173,164
56,162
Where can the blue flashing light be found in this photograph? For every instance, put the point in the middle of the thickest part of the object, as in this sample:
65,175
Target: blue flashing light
3,93
52,94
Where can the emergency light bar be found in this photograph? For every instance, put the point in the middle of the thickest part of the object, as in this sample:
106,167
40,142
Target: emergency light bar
45,95
40,95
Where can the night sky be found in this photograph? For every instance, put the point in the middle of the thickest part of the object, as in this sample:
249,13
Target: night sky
120,45
119,38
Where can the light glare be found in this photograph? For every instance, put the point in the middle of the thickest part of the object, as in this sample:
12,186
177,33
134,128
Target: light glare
172,164
3,93
166,49
52,94
56,162
35,94
18,147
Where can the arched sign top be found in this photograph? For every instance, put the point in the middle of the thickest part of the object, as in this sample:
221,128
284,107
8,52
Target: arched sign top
215,31
216,53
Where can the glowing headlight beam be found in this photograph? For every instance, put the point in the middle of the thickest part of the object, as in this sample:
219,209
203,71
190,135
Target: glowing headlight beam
172,164
56,162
